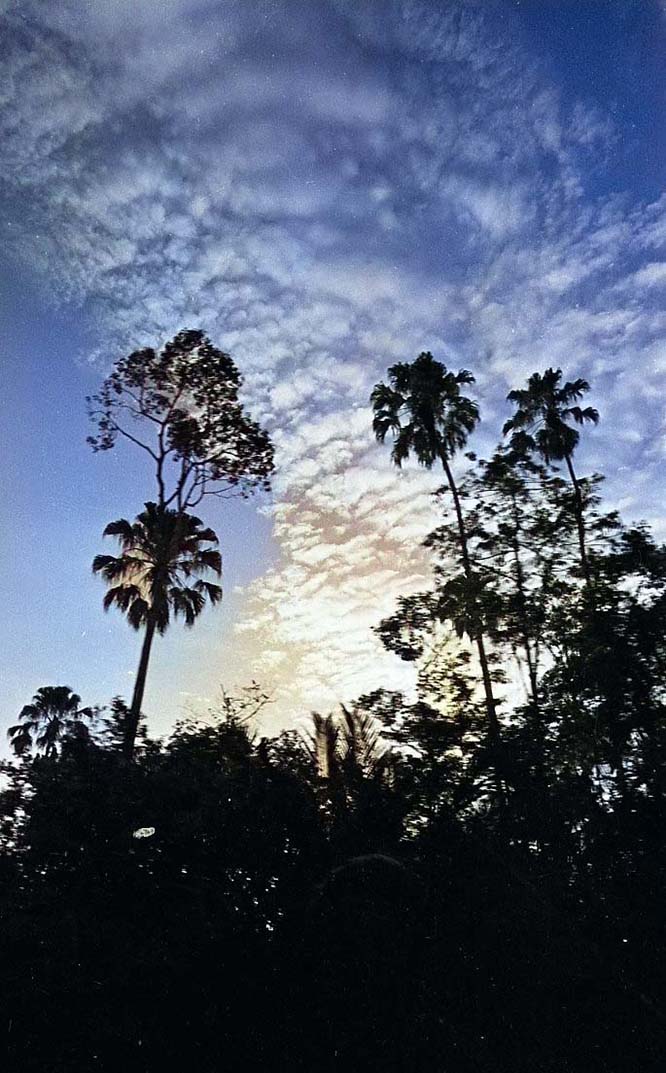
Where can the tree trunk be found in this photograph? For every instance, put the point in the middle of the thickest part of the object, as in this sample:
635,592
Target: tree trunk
491,704
134,715
462,532
520,586
580,524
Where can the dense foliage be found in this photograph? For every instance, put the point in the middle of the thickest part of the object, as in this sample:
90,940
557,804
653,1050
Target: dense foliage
472,881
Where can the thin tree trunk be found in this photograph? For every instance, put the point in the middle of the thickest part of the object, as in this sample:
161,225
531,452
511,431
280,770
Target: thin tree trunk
531,654
493,722
578,499
462,532
520,585
139,687
491,704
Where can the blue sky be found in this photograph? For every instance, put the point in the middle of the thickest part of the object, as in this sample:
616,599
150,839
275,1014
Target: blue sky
325,188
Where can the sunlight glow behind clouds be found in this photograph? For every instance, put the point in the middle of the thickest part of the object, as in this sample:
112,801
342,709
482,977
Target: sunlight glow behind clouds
326,192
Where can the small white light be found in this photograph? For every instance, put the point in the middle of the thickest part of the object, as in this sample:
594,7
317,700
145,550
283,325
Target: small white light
144,832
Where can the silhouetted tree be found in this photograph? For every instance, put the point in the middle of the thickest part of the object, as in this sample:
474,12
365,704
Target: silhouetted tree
515,543
180,406
427,414
352,773
54,713
540,425
366,896
345,742
161,552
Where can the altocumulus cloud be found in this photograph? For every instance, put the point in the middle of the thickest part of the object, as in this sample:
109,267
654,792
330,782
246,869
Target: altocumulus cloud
327,188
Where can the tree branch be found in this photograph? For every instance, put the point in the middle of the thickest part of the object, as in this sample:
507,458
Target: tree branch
139,443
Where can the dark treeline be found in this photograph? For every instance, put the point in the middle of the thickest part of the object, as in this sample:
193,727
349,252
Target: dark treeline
472,881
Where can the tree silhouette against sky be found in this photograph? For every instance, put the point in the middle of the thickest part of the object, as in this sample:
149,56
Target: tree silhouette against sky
161,552
540,426
54,712
180,406
425,411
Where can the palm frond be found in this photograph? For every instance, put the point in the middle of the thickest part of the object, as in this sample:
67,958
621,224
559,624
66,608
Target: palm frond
137,612
124,567
207,588
580,416
464,376
122,529
187,603
204,560
20,739
573,389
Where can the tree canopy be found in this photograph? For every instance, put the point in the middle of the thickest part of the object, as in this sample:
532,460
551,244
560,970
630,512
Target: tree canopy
181,406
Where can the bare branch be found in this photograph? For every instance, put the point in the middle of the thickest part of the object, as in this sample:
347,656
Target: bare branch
139,443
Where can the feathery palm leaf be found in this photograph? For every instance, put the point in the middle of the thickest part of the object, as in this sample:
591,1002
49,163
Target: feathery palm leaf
54,713
424,409
542,412
160,552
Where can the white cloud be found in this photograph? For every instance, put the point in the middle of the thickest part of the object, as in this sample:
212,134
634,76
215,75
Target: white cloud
653,274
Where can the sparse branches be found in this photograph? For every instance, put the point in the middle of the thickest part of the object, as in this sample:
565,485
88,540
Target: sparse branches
200,438
242,707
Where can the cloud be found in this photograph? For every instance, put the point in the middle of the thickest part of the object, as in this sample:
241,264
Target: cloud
652,275
327,189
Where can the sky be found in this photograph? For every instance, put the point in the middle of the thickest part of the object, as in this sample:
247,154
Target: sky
325,188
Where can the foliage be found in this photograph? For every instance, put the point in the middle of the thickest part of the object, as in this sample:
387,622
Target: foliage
160,553
180,406
542,408
54,714
425,410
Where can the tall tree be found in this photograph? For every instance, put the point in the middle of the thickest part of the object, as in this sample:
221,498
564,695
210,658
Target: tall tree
180,406
517,539
160,552
541,425
424,409
54,713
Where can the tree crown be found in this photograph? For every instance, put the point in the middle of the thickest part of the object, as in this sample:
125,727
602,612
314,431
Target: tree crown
160,552
425,410
543,408
180,405
54,712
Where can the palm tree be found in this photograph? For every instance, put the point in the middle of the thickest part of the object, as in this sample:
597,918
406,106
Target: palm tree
429,417
540,426
53,714
160,552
